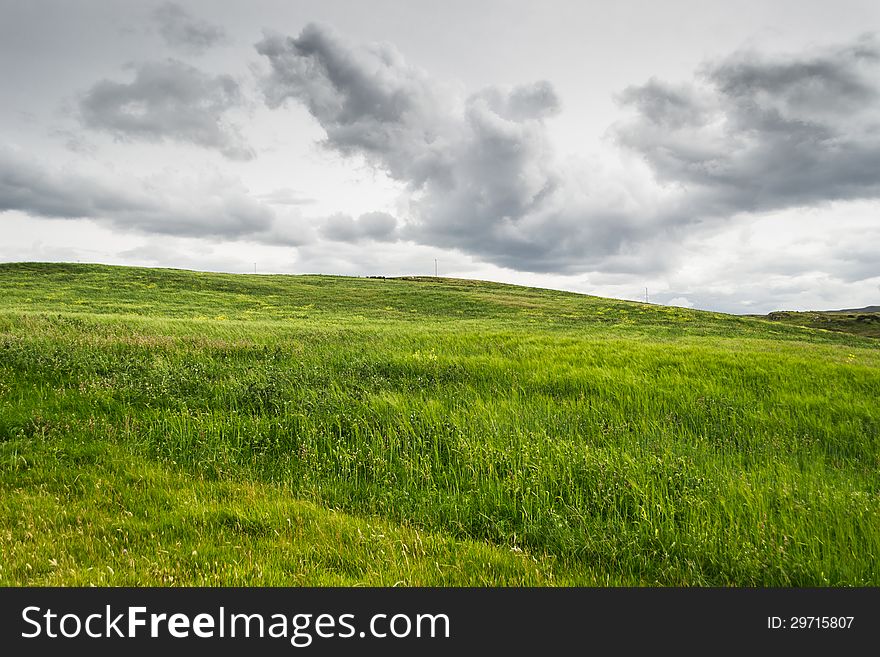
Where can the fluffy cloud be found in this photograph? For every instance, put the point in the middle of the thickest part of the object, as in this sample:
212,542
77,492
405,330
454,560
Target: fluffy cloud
368,100
180,30
479,170
213,207
168,100
755,133
750,134
378,226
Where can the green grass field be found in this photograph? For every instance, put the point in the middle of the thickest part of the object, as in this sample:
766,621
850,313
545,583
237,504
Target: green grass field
163,427
859,323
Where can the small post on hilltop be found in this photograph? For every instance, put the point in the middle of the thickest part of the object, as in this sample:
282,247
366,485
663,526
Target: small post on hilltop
435,267
646,295
255,267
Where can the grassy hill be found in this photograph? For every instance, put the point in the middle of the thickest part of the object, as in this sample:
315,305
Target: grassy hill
865,309
864,322
173,427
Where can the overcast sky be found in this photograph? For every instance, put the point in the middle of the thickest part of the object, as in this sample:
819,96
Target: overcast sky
725,157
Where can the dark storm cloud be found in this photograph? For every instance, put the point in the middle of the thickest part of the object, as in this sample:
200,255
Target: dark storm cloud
479,169
168,100
215,208
377,226
755,133
180,30
750,134
368,101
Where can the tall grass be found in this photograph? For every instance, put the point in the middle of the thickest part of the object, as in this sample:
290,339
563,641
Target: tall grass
530,436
